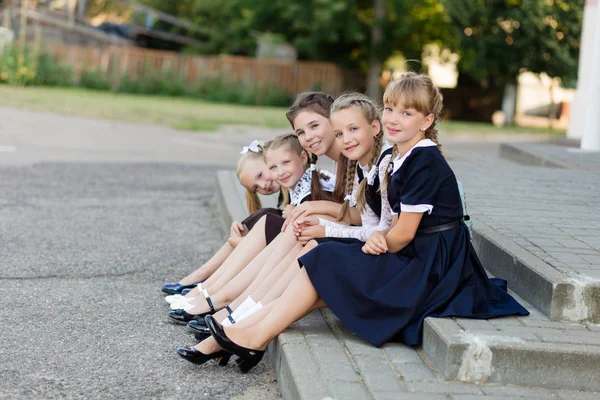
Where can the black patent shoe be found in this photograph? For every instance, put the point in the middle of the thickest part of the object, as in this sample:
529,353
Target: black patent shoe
248,358
200,336
194,356
176,288
183,317
197,325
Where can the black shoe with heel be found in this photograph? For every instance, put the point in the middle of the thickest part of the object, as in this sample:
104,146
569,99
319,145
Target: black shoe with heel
183,317
197,357
248,358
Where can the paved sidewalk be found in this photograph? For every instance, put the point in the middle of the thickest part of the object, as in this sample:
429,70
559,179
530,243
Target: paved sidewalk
557,154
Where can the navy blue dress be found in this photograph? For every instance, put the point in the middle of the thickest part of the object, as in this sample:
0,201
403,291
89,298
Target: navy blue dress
387,297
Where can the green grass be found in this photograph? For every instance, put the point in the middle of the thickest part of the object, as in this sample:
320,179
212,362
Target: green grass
188,114
179,113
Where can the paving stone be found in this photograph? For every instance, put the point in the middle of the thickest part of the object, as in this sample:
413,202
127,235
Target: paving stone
407,396
572,243
589,338
520,333
339,372
415,372
477,324
399,353
377,374
504,322
552,325
443,387
515,391
476,397
347,391
593,327
577,395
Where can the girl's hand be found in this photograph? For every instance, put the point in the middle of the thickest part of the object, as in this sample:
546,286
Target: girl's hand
304,223
235,240
238,229
309,233
304,209
376,244
287,211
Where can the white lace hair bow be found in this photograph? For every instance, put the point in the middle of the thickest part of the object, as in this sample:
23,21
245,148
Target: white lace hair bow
254,148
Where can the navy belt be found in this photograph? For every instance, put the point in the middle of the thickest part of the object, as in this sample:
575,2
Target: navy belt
441,228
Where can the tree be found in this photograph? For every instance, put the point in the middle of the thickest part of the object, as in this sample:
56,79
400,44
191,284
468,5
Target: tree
344,32
498,39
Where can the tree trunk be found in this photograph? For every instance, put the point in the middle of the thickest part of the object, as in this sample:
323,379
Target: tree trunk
375,63
509,101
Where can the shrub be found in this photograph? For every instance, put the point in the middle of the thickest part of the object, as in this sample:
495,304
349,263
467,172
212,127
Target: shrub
17,65
50,72
94,79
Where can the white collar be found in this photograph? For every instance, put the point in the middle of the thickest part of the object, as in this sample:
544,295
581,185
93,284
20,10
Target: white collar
398,161
369,175
302,188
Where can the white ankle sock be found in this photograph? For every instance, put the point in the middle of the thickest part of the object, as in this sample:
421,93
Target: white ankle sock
245,306
172,297
251,311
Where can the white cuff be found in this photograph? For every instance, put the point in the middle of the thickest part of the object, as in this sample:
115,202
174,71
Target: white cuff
419,208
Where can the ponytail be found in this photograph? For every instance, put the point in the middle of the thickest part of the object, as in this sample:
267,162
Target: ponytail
252,201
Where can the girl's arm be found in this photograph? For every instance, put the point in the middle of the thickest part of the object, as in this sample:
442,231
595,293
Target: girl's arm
402,232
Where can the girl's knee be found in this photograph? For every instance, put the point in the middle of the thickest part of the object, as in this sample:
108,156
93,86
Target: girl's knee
311,244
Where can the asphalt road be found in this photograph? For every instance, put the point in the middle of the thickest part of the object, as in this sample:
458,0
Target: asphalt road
84,250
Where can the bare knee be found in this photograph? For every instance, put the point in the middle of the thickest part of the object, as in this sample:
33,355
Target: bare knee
311,244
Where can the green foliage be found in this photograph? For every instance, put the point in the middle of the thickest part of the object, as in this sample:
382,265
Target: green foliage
17,65
226,91
326,30
94,79
499,38
164,83
50,72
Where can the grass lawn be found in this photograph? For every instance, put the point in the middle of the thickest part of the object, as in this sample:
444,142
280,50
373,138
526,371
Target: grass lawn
185,113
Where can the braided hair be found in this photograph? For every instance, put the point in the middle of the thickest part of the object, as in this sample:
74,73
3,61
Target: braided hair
320,103
369,111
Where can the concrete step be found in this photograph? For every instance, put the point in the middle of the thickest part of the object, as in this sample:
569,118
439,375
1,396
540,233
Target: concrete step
558,295
516,350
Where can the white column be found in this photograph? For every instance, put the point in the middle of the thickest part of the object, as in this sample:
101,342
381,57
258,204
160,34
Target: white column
586,54
591,128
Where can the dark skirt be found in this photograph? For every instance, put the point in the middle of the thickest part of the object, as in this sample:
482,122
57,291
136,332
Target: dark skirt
273,223
387,297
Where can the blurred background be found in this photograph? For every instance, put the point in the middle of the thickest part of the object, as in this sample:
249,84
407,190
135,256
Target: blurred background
507,62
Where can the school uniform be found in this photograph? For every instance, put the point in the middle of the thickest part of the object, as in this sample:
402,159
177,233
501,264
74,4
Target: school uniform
438,274
376,214
301,193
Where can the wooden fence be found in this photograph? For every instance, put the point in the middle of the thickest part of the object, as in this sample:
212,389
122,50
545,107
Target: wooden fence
116,61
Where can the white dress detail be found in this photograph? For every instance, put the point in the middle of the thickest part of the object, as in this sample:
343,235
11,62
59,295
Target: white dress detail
371,222
302,188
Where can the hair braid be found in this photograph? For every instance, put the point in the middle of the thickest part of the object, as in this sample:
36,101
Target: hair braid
350,173
387,175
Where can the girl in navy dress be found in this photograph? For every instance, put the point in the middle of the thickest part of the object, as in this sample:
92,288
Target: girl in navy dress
423,266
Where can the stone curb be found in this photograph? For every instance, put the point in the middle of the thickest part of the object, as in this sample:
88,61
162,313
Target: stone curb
522,156
510,358
557,296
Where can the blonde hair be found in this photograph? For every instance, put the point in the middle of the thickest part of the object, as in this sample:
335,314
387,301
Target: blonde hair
291,142
252,200
370,113
416,91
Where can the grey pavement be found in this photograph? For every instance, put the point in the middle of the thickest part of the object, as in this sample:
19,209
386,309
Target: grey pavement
84,250
556,153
